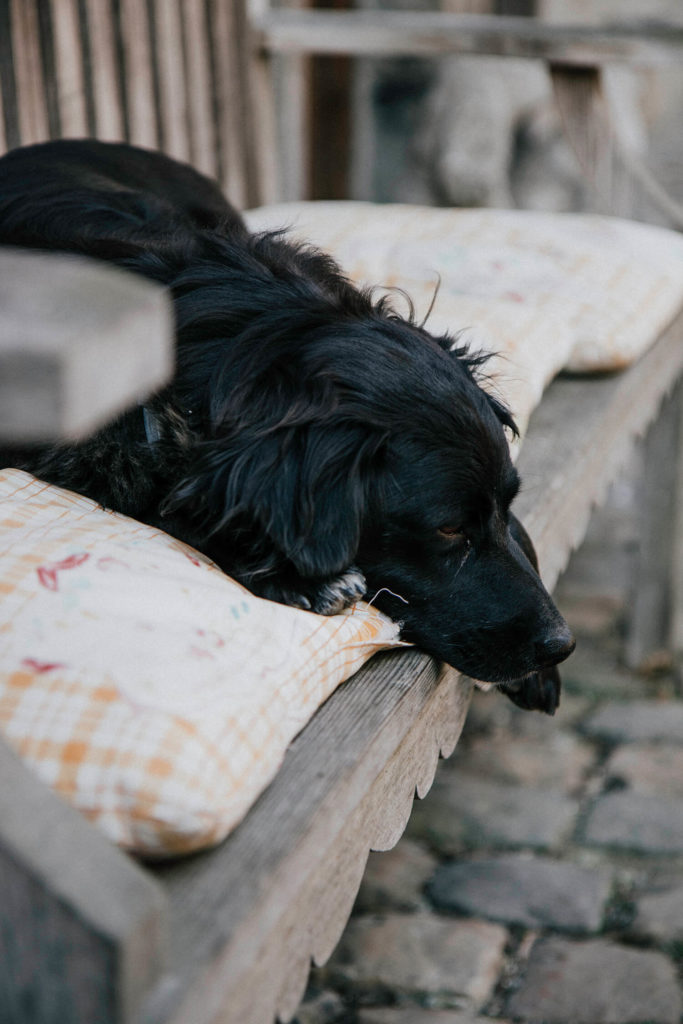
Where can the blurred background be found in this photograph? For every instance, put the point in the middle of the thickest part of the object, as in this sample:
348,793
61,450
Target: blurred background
482,131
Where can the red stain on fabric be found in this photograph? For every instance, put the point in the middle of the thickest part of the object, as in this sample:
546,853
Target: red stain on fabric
41,666
47,574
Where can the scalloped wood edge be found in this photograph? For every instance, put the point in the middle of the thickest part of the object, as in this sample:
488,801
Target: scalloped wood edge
314,920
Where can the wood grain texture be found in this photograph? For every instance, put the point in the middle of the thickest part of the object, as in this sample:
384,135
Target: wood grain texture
655,605
227,101
416,33
137,72
579,438
199,93
82,931
69,70
168,45
675,461
107,87
346,785
32,113
79,342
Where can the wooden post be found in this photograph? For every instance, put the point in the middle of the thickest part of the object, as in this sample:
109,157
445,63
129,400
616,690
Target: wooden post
81,926
79,341
655,637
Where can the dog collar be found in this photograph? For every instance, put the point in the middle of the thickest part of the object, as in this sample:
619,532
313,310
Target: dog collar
152,425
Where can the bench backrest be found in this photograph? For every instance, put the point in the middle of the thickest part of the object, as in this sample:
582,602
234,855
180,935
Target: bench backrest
165,74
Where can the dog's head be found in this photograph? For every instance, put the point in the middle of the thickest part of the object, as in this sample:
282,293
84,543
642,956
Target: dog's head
338,433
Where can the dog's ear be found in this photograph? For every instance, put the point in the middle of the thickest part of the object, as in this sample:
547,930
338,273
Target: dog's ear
307,488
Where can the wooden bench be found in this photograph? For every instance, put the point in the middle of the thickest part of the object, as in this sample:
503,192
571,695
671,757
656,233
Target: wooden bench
86,933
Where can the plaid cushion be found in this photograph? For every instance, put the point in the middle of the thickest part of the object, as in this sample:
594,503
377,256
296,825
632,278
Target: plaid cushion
148,688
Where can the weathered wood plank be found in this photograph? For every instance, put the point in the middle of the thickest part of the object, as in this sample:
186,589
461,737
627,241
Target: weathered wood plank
374,33
69,71
579,438
313,826
199,92
78,342
107,87
81,926
28,71
167,33
227,100
138,74
653,627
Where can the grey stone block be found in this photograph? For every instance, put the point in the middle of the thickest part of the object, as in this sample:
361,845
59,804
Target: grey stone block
638,822
586,982
659,916
418,1015
462,811
649,768
638,720
558,760
394,880
530,891
325,1008
454,963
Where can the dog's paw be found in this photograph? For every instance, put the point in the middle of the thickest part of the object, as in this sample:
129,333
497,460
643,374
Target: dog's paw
334,595
325,597
539,691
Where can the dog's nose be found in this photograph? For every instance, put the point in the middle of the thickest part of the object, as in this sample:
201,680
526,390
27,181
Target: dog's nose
555,647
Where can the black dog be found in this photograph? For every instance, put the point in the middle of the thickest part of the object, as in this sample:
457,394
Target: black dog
314,443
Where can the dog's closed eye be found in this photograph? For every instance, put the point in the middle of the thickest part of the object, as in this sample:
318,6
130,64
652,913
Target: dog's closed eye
454,534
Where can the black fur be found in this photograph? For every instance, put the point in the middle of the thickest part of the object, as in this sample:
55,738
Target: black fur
311,436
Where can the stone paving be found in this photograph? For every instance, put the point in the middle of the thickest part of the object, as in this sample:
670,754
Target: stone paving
541,880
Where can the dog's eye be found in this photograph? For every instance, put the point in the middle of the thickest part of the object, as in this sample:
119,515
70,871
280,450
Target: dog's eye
453,534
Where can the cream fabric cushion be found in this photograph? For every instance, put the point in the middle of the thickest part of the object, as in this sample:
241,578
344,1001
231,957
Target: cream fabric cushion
545,291
150,689
157,694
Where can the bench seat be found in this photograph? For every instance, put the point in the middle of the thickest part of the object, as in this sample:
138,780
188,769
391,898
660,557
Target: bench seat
229,935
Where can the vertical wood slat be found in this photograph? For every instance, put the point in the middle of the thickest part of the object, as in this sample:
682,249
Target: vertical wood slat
69,71
675,637
32,114
168,40
196,30
137,72
587,126
259,115
176,75
9,131
653,626
227,101
106,85
3,131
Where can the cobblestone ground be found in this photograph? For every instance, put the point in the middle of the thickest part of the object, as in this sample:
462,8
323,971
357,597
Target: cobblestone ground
541,880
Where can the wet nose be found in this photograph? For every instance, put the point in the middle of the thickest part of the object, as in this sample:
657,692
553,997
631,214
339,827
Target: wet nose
555,646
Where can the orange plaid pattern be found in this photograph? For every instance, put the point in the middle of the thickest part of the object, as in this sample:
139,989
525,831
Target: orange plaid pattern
149,689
